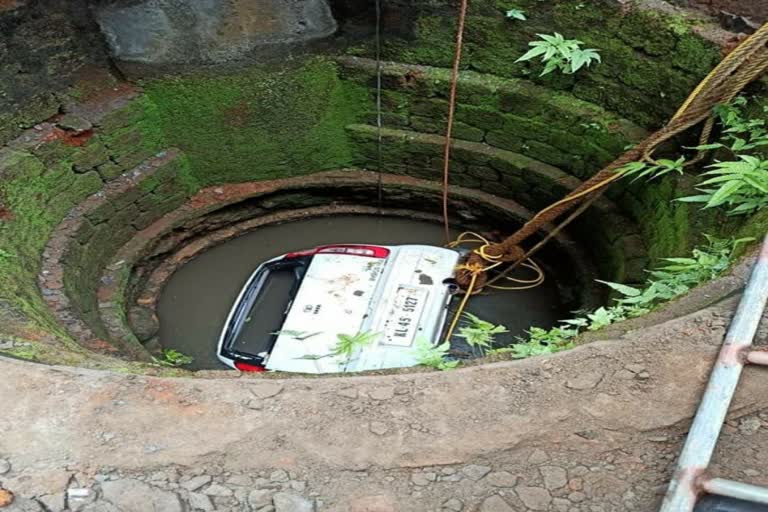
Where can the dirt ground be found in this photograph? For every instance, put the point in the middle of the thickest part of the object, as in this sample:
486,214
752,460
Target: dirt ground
594,429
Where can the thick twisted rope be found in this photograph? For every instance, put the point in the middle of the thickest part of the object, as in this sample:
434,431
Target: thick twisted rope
743,65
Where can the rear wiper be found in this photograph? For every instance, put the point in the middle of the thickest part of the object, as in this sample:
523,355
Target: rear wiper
298,335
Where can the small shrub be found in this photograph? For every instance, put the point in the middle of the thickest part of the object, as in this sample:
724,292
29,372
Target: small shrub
172,358
479,334
433,356
559,53
516,14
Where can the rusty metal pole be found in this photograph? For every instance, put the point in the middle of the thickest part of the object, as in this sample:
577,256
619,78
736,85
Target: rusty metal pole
702,437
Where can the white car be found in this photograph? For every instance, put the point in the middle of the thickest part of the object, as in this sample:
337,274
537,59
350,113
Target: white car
380,299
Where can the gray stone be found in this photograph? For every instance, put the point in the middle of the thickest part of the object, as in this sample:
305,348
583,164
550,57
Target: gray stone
536,498
501,479
585,381
240,480
143,322
172,32
577,497
578,471
475,472
23,505
218,490
454,504
5,466
298,485
260,498
279,475
198,501
101,506
134,496
421,479
382,393
554,477
53,502
495,503
254,404
348,393
750,425
74,123
196,482
538,457
290,502
378,427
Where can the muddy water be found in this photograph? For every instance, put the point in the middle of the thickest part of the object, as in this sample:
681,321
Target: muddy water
197,299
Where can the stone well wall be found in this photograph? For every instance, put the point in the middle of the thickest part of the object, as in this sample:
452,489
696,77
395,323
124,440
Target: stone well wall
102,160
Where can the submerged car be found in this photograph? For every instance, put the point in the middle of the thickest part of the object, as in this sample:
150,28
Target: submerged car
340,308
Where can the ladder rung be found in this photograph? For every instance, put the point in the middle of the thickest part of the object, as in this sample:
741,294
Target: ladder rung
738,490
758,357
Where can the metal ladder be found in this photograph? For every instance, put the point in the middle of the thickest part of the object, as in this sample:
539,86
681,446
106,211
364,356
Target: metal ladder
690,479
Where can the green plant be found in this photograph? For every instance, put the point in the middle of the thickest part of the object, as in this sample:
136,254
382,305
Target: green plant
675,278
172,358
542,341
654,170
516,14
557,52
346,344
479,334
433,356
740,133
739,182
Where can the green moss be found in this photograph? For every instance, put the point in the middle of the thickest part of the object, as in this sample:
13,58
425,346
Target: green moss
36,201
259,124
30,352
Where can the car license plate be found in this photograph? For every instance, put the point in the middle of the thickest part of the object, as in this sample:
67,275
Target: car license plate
402,325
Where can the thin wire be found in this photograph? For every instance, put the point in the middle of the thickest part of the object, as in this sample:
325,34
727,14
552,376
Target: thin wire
379,163
451,109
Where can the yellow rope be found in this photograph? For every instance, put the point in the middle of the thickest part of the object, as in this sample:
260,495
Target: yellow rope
460,310
470,237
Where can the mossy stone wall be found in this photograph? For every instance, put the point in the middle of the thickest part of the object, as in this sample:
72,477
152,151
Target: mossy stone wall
651,60
44,175
108,227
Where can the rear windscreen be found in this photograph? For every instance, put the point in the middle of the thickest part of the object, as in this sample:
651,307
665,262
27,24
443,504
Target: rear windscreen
266,315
